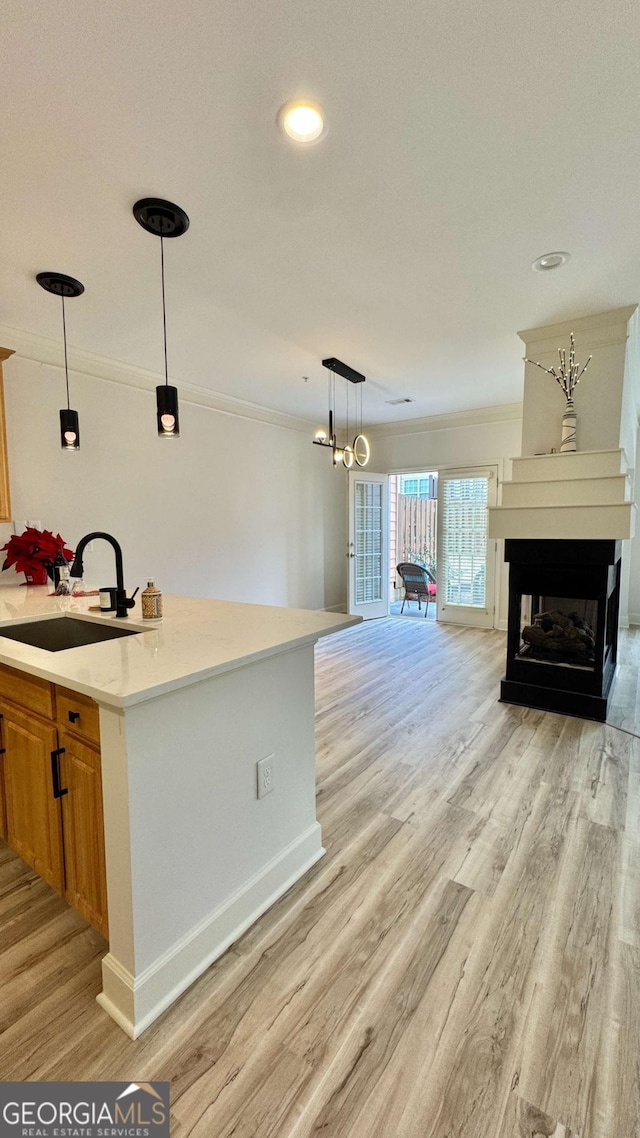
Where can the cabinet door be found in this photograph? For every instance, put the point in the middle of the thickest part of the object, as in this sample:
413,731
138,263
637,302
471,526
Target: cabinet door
3,805
83,827
34,828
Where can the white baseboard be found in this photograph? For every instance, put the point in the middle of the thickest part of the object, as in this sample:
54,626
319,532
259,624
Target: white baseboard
134,1002
336,608
633,620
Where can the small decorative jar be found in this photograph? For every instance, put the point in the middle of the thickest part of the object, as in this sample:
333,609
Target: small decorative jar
151,599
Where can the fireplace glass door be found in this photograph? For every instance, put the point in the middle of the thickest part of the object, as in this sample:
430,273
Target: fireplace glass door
560,631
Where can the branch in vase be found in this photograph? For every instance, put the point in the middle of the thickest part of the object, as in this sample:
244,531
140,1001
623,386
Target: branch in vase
569,377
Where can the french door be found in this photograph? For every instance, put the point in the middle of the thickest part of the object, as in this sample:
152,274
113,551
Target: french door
368,547
466,557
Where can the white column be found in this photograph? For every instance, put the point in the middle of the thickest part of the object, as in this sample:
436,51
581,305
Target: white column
604,399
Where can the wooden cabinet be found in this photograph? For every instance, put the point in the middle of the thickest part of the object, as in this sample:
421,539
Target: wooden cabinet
30,692
34,828
51,788
3,799
79,714
83,828
3,805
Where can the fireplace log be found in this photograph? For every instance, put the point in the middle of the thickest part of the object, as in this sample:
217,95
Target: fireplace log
560,637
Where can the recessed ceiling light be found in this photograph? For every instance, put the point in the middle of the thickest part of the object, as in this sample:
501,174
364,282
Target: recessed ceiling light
302,121
550,261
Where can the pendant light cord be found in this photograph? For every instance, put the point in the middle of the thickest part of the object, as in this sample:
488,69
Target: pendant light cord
164,313
66,362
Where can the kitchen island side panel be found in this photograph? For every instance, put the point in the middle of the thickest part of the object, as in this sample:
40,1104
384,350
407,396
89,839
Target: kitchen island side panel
192,853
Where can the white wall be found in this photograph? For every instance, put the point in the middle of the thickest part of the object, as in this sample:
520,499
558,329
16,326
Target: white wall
236,508
602,397
479,438
451,441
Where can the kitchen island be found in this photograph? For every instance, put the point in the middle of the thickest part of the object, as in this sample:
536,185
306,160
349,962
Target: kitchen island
187,709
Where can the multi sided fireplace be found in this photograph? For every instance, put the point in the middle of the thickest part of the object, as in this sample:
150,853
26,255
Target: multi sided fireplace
563,625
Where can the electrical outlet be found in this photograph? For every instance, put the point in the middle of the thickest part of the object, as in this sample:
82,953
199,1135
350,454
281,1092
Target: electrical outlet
19,527
35,525
265,773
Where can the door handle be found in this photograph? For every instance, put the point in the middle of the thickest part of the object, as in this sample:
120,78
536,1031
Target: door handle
73,715
58,791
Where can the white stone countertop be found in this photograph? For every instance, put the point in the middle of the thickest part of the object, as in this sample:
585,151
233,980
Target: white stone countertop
196,639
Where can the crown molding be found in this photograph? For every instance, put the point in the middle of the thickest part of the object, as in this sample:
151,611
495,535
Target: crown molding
502,413
596,331
44,351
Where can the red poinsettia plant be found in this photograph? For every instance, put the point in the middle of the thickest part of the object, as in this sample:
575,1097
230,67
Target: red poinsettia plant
33,552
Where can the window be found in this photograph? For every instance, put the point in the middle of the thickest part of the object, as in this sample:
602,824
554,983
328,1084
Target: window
368,542
465,540
419,485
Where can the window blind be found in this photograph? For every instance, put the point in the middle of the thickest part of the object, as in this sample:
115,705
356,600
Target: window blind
368,542
464,529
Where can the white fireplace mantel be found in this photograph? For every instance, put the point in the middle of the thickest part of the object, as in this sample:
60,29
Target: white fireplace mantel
581,496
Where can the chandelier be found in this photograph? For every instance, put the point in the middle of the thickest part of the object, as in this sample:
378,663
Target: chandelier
347,452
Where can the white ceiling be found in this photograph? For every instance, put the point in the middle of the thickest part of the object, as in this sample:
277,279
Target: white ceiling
465,139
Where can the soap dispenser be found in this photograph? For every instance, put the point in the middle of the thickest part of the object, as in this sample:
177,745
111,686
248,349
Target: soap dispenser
151,598
61,576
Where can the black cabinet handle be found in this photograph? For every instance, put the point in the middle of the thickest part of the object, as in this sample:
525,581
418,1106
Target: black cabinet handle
58,791
3,750
73,715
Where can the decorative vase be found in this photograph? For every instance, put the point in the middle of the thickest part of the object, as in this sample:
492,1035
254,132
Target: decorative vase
569,419
37,576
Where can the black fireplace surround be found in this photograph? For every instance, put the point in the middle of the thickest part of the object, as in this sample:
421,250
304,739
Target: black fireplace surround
564,599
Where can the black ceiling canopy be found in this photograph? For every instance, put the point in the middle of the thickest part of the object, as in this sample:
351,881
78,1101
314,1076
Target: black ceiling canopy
60,284
344,370
162,218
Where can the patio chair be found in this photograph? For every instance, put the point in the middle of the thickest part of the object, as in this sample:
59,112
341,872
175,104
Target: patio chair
419,584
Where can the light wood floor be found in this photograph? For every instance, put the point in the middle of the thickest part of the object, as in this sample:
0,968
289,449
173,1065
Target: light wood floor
464,962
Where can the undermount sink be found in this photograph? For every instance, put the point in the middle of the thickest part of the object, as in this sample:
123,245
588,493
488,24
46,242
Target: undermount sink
59,633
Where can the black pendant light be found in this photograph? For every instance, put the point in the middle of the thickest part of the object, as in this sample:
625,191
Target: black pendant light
63,286
163,219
